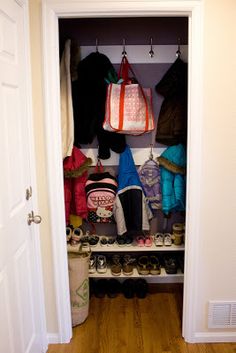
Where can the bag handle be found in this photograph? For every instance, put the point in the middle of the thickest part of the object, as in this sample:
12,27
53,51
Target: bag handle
99,167
125,67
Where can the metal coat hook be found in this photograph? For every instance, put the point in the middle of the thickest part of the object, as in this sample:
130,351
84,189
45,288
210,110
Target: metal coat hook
178,52
151,52
96,45
151,154
124,53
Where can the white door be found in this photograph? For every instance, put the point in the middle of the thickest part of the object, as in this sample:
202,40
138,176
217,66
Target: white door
21,300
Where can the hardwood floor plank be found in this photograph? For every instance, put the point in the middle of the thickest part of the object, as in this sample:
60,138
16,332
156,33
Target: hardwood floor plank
150,325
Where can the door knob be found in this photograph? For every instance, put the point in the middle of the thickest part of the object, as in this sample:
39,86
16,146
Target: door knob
33,218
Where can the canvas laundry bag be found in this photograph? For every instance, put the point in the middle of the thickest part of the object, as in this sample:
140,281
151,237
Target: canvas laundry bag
78,264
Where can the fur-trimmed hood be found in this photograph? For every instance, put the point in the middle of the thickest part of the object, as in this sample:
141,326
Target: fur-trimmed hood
75,165
174,159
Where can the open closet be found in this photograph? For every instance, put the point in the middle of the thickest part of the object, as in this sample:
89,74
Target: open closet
152,45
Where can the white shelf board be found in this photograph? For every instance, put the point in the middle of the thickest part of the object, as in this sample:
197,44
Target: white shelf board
140,155
162,278
134,248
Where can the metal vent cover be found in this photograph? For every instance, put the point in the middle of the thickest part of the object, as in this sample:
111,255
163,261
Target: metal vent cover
222,314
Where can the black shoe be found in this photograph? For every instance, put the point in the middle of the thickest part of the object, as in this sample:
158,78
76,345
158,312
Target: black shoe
113,287
93,240
100,288
170,264
128,240
141,288
120,239
128,288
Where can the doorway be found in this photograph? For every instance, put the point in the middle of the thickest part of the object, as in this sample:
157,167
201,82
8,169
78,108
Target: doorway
51,14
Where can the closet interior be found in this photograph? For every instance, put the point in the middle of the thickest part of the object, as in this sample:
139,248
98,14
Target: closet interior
152,46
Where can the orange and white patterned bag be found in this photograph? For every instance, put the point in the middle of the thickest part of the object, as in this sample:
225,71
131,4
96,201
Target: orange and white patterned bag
128,105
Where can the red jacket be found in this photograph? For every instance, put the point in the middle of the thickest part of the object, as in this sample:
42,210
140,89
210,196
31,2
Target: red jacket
75,176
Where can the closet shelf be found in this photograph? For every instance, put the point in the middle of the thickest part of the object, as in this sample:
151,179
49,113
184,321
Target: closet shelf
131,248
162,278
135,248
139,155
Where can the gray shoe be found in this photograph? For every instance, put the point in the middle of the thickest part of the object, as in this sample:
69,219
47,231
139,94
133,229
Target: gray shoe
101,264
92,264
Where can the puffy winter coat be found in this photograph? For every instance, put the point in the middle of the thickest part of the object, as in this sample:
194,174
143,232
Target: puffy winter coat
75,176
173,181
130,209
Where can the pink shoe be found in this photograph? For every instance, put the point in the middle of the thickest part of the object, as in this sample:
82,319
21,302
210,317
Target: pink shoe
148,240
140,240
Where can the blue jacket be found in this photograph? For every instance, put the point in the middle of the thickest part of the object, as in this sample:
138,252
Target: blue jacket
173,180
130,208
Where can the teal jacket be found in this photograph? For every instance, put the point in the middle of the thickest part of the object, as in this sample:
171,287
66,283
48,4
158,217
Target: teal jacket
173,180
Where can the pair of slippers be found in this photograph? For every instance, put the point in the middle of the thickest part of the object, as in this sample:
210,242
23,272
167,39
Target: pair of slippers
102,287
138,288
112,287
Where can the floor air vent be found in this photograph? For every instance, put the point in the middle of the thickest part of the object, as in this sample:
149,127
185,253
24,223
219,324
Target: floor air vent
222,314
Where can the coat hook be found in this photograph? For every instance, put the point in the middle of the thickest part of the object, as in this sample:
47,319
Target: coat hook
124,53
151,52
151,149
96,45
178,52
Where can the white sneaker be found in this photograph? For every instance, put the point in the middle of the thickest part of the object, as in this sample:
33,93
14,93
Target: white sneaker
167,239
159,239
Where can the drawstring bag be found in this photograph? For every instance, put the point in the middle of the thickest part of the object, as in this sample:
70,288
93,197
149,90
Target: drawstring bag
100,188
78,264
128,105
149,174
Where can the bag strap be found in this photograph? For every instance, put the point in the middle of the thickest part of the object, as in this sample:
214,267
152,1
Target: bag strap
99,167
125,67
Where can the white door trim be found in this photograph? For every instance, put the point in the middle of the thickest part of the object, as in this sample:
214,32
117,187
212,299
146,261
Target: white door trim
52,10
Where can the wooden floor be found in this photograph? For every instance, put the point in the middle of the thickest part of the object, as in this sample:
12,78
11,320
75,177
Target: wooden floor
150,325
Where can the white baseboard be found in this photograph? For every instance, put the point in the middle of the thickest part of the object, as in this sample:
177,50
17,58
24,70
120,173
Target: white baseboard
214,337
53,338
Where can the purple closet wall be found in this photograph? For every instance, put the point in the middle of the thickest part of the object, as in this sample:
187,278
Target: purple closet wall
138,30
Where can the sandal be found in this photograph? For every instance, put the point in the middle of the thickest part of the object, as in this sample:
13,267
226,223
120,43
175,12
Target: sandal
155,268
143,265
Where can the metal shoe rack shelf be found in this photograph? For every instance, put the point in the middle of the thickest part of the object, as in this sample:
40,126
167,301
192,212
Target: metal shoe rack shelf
163,277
